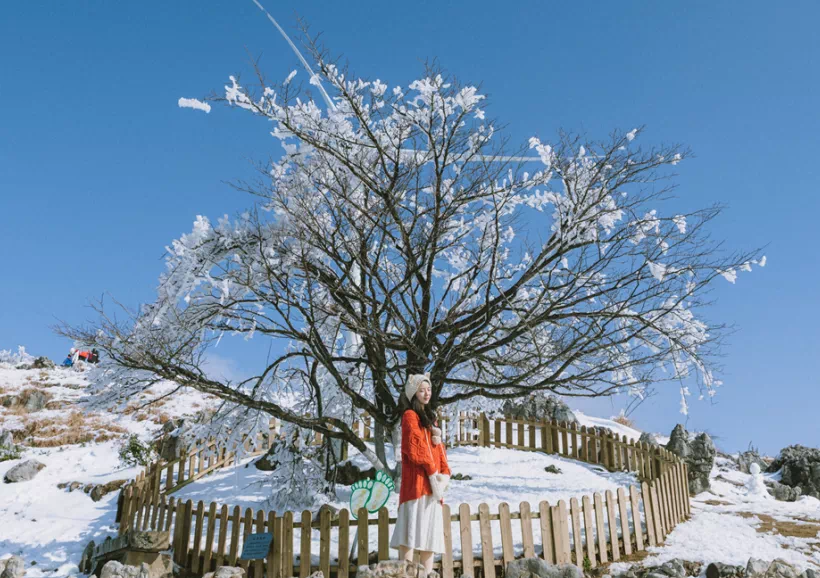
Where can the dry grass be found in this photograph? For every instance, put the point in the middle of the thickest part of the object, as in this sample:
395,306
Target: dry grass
623,420
66,429
804,528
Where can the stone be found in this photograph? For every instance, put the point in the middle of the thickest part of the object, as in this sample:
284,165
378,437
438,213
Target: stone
15,568
394,569
99,491
6,439
87,557
809,573
171,446
649,439
114,569
747,458
348,474
799,467
673,568
8,451
552,469
23,472
720,570
461,477
782,492
538,568
699,455
755,567
42,363
779,568
36,400
152,541
539,406
228,572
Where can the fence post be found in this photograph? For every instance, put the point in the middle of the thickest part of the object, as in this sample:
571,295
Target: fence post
485,430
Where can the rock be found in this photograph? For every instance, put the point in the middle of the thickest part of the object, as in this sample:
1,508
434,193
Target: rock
809,573
673,568
8,451
461,477
87,558
152,541
6,439
36,400
23,471
699,455
779,568
15,568
720,570
101,490
114,569
746,459
650,439
171,446
755,567
539,406
74,485
229,572
394,569
538,568
800,468
552,469
42,363
348,474
783,492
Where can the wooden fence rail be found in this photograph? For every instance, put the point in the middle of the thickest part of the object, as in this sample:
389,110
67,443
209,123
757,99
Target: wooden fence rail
597,528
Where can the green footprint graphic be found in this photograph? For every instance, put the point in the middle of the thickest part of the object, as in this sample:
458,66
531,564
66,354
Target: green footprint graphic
371,494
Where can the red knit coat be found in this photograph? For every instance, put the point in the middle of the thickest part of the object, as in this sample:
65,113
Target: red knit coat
419,458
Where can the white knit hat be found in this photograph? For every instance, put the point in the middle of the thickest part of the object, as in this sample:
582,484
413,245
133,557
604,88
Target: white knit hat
414,383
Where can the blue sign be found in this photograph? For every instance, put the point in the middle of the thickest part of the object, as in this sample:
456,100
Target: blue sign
256,546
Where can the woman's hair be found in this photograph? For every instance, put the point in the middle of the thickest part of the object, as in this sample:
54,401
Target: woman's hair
425,412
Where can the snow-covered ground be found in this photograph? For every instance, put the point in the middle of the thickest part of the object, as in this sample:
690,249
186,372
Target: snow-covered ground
51,526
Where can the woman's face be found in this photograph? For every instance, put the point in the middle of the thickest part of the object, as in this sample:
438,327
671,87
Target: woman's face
424,392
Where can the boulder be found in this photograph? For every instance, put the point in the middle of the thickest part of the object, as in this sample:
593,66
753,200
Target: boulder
36,400
8,451
699,455
800,468
539,406
99,491
394,569
42,363
650,439
23,471
227,572
809,573
779,568
538,568
152,541
15,567
720,570
6,439
755,567
348,474
747,458
114,569
171,446
782,492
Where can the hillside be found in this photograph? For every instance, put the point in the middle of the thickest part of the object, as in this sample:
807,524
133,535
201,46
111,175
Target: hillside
49,524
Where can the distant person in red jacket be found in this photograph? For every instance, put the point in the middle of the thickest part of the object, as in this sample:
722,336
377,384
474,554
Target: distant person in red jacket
425,476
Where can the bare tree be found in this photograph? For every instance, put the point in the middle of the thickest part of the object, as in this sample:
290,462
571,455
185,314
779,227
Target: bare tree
399,234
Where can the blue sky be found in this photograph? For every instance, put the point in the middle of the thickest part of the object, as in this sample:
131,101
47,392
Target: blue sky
99,168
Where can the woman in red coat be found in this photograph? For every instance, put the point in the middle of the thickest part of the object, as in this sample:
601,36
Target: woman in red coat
424,476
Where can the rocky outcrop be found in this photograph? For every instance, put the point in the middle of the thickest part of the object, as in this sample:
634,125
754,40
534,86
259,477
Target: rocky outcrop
650,439
538,568
782,492
776,569
675,568
23,471
699,455
42,363
539,406
30,400
800,468
747,458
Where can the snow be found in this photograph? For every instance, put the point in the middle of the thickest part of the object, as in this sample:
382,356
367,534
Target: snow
195,104
52,526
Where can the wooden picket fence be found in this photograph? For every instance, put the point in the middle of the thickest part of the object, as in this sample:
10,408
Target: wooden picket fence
597,528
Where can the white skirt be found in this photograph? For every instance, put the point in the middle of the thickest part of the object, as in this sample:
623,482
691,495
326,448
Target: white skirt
420,525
